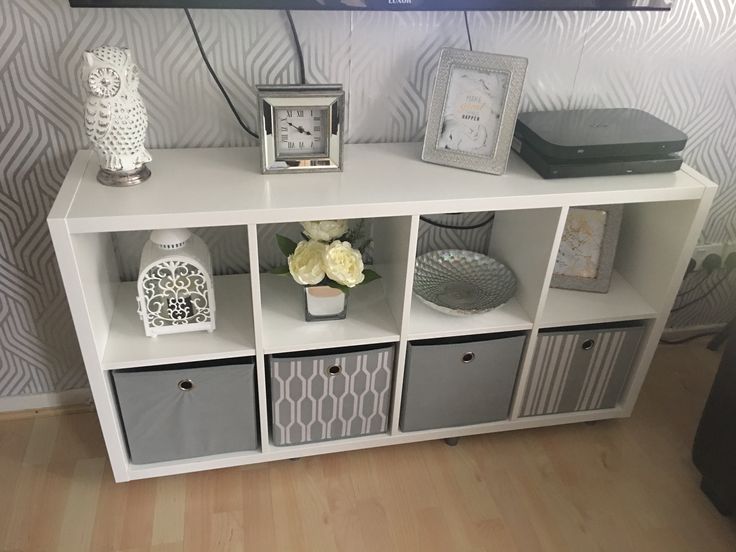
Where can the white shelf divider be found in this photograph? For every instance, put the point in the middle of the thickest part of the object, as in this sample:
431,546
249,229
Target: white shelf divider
128,346
261,372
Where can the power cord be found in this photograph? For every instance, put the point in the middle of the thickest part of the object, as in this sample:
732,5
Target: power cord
298,46
458,226
695,286
730,265
467,30
214,76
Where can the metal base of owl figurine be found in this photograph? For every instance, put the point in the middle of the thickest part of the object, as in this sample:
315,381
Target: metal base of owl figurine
123,178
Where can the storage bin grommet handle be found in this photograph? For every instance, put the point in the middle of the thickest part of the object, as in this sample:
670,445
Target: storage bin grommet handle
468,357
588,344
334,370
185,385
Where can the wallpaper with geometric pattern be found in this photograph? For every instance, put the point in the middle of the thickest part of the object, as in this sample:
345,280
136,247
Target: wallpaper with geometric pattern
677,65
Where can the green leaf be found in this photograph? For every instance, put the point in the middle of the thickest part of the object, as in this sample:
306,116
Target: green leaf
286,245
332,284
369,276
284,269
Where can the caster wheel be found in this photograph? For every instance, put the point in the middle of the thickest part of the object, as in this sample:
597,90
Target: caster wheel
452,441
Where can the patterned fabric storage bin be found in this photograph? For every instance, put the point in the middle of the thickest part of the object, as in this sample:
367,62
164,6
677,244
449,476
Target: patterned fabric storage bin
188,410
330,394
581,368
456,382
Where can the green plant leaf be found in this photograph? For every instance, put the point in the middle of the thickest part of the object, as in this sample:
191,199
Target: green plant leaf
284,269
286,245
332,284
369,276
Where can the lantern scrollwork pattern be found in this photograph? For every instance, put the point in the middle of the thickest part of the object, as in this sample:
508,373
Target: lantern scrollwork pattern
175,291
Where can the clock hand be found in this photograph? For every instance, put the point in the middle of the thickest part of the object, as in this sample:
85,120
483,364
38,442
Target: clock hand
300,129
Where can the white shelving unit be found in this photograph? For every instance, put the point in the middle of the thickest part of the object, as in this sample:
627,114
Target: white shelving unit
260,314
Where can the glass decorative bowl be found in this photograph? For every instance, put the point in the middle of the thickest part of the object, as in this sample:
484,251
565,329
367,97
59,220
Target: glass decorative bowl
460,282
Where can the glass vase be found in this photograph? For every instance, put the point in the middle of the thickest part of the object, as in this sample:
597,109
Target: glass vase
324,303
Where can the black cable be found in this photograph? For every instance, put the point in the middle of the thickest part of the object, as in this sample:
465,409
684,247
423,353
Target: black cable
695,286
706,294
214,75
467,30
298,45
686,339
457,226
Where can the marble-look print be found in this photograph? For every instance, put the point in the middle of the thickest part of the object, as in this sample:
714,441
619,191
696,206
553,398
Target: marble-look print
580,250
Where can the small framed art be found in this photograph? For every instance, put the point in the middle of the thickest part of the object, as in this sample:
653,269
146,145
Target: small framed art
473,109
588,248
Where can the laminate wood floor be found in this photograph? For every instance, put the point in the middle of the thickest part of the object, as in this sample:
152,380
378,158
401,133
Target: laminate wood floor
616,486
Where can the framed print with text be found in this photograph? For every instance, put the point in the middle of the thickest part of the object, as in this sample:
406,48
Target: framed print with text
473,109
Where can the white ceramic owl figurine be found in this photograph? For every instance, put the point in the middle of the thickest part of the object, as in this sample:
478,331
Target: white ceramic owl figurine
114,117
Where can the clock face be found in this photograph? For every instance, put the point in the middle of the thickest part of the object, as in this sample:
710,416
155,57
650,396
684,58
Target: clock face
473,110
300,131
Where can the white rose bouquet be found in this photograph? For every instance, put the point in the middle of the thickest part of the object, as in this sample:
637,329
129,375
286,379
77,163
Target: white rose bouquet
325,256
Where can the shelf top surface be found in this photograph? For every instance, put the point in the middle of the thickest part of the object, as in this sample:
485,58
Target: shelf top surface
570,308
128,346
224,186
369,319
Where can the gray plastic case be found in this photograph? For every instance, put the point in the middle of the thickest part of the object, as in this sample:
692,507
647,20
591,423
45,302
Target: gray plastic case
459,382
584,368
171,414
598,133
330,394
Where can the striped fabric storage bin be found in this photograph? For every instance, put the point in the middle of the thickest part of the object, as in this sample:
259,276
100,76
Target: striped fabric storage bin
581,368
330,394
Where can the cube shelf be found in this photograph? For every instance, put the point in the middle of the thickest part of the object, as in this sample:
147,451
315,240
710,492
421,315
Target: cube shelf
260,313
566,307
369,318
128,347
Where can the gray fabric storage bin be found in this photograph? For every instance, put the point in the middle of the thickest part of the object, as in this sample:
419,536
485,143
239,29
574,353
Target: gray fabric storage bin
581,368
331,394
459,382
188,411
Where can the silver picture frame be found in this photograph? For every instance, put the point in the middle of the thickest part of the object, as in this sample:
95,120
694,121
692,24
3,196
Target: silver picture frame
330,97
493,153
598,281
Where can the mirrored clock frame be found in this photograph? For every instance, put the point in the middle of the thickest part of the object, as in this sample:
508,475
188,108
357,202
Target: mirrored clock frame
329,99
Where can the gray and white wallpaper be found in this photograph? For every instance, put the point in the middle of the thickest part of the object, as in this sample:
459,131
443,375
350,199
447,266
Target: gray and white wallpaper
677,65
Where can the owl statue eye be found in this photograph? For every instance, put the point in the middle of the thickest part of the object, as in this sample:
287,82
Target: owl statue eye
104,82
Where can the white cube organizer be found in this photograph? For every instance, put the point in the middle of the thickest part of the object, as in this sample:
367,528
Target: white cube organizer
259,315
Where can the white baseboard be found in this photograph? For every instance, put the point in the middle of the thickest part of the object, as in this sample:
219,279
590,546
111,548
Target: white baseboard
46,400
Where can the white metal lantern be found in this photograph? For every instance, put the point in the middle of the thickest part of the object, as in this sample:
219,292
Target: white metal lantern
175,291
